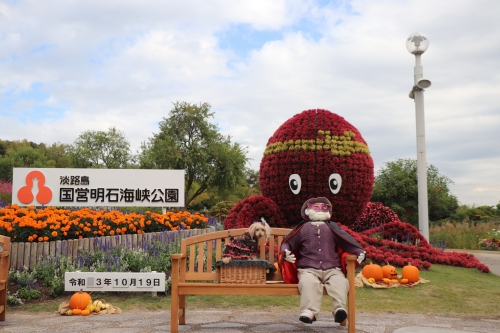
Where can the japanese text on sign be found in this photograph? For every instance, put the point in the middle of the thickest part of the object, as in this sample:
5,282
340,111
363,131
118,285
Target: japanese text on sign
114,281
114,195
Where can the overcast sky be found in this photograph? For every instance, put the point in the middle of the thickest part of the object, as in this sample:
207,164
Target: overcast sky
71,66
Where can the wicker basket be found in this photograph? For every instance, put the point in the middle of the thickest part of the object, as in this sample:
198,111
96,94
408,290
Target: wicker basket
244,271
242,275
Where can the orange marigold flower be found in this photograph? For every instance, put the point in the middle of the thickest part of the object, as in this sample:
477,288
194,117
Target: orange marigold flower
46,238
112,232
54,233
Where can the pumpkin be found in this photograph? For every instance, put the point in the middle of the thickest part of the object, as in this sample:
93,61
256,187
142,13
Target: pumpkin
372,271
77,311
79,300
85,312
389,271
411,273
386,280
403,281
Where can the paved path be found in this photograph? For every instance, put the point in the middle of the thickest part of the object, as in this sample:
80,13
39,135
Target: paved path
241,321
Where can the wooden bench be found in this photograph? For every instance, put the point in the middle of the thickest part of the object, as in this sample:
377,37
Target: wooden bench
4,274
194,273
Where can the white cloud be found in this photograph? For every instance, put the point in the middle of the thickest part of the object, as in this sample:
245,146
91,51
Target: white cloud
123,63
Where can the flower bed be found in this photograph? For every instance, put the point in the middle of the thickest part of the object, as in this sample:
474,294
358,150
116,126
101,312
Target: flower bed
51,223
490,244
400,243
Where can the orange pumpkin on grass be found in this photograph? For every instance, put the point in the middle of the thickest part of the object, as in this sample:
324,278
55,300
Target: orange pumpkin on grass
79,300
372,271
389,271
411,273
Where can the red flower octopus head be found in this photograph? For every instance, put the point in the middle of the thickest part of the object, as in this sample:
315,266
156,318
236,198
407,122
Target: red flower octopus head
317,153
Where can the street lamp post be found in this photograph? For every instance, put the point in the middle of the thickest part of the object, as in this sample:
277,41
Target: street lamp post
417,44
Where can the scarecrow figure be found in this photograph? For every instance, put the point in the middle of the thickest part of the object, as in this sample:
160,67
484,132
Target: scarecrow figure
313,254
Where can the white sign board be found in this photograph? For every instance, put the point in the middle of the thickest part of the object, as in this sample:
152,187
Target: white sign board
114,281
98,187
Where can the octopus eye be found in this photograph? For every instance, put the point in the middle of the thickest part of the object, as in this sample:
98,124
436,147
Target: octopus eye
295,183
335,183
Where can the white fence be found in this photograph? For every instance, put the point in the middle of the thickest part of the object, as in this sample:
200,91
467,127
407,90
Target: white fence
29,254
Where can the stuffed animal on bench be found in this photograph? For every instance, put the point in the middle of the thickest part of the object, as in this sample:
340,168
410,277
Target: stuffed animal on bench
246,246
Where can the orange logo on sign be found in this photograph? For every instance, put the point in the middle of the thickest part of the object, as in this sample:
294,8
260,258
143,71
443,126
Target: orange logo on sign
25,194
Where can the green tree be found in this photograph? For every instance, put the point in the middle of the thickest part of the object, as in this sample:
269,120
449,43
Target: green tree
3,148
396,186
58,154
188,141
22,157
99,149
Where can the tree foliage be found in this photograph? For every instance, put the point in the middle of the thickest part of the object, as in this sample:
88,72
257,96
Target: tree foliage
22,157
99,149
481,213
187,140
396,186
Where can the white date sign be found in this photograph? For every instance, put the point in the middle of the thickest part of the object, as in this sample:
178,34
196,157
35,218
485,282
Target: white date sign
114,281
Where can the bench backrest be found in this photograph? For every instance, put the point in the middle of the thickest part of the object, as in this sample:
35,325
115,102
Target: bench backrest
203,251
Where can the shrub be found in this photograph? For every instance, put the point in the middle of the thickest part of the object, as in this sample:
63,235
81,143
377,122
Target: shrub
252,209
14,300
221,209
5,198
6,187
374,215
461,235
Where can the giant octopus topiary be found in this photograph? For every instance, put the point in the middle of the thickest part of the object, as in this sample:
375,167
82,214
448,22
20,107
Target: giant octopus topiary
317,153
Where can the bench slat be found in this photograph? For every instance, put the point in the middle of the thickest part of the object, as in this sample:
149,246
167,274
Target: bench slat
239,289
218,246
201,251
192,252
195,276
210,245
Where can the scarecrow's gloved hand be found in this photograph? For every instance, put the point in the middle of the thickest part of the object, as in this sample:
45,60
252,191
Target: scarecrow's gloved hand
289,256
361,257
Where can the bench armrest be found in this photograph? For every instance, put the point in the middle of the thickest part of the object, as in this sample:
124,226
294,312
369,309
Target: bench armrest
177,256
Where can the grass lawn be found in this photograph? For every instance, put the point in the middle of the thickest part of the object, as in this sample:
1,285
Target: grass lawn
451,291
